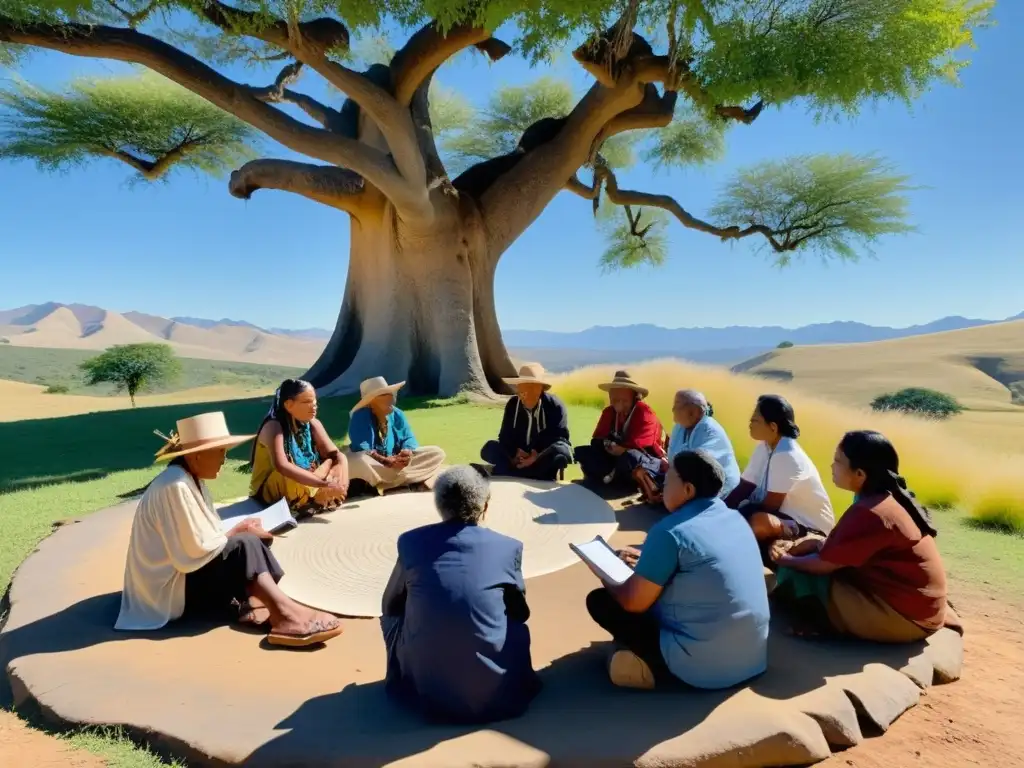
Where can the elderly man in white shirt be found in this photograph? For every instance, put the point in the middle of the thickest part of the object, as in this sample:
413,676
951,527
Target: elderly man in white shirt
181,563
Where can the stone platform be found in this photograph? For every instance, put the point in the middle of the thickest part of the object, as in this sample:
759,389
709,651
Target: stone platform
220,697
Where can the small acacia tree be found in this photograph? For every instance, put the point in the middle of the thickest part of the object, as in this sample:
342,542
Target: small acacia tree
133,367
437,192
919,401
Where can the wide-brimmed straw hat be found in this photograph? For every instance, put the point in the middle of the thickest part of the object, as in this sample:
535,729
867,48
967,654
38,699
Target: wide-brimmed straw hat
372,388
530,373
199,433
623,380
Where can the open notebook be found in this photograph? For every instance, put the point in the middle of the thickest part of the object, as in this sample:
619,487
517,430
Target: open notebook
276,518
599,555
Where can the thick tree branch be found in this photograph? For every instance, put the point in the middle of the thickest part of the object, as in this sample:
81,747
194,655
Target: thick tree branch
605,178
429,48
328,117
311,42
325,184
132,46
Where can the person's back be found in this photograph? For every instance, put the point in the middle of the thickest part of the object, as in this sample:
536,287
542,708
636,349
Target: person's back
465,646
714,611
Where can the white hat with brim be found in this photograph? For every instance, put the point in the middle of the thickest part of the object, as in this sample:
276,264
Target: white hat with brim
530,373
373,388
623,380
204,432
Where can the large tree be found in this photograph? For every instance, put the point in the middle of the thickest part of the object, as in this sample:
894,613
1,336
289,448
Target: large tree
431,215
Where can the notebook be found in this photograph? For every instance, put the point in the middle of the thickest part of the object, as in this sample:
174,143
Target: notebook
601,557
276,518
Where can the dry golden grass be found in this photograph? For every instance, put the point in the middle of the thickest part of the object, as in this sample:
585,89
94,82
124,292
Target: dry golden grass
857,373
28,401
941,468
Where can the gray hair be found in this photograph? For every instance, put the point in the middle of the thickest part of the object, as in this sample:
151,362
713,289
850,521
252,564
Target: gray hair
461,494
693,397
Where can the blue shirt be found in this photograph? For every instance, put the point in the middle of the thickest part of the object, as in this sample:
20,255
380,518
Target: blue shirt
713,610
708,435
463,651
362,433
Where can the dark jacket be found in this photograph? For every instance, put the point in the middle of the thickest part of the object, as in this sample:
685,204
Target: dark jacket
548,425
462,652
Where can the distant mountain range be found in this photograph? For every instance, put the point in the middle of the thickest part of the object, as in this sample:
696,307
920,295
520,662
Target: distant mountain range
81,326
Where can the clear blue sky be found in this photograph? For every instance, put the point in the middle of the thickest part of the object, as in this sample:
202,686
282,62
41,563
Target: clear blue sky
188,248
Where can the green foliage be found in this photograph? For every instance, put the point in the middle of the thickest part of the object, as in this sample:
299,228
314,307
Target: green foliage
496,130
784,345
919,401
828,203
133,367
142,115
625,248
57,389
449,110
691,139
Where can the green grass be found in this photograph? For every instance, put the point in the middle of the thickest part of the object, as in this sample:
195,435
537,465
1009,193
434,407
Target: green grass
59,368
55,469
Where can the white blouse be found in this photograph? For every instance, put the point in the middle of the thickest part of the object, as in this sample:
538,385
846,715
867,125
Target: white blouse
176,531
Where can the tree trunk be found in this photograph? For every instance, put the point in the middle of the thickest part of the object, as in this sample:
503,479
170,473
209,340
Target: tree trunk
418,307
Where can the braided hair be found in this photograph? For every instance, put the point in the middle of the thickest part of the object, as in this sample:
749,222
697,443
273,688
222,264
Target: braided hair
873,454
289,390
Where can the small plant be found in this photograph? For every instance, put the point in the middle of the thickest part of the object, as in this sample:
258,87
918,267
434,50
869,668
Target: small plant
57,389
132,367
784,345
919,401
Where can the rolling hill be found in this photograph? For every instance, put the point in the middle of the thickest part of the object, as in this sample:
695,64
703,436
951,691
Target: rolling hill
83,327
978,366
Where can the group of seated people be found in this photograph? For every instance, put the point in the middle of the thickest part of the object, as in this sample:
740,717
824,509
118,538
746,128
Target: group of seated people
694,613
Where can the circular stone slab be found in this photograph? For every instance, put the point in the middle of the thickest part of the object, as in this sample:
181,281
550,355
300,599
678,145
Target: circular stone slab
220,696
340,562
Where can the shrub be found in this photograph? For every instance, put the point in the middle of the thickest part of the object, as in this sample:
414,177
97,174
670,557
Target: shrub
940,468
918,401
133,367
784,345
57,389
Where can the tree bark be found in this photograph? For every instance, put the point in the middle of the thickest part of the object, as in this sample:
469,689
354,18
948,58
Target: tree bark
418,307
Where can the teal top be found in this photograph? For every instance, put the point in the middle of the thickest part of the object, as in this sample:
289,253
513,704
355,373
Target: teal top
395,437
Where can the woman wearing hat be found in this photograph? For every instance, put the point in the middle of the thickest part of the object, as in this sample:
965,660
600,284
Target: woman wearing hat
533,441
384,451
627,449
182,563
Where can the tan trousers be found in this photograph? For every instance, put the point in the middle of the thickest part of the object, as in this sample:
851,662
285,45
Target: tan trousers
853,612
424,464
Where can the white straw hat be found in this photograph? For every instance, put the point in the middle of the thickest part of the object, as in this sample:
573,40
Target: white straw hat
530,373
199,433
372,388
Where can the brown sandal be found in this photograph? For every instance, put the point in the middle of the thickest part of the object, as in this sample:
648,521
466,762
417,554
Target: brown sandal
319,632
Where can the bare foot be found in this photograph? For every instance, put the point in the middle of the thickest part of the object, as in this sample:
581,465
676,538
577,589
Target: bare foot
254,612
316,627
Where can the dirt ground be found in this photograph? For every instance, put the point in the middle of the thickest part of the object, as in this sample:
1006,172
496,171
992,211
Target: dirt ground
974,722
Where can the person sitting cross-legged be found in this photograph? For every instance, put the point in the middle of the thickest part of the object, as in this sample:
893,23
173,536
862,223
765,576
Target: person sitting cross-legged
780,492
384,452
181,562
293,458
454,613
627,450
695,609
533,441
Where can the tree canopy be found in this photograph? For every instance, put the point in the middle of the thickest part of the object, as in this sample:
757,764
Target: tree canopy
132,367
718,55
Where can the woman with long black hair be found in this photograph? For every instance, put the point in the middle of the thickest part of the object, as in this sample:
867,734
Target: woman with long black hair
293,458
878,575
780,493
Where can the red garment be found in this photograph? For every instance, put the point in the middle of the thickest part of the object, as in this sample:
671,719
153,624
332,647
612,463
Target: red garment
891,559
644,432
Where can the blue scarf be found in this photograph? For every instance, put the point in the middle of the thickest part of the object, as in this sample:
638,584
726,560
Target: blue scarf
300,447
